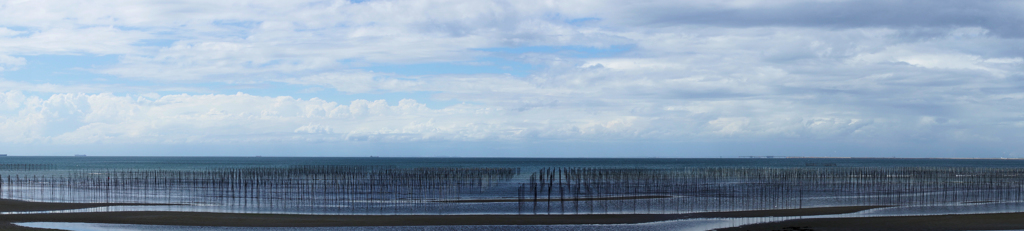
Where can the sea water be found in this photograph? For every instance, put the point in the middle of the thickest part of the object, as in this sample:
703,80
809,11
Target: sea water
26,168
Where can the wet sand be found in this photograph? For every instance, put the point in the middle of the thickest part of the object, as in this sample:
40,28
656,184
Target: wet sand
999,221
787,212
991,221
283,220
7,205
12,227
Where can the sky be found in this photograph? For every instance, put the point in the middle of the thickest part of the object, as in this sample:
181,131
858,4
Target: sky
517,78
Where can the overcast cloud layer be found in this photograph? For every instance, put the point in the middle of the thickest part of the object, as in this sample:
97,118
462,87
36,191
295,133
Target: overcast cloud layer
671,78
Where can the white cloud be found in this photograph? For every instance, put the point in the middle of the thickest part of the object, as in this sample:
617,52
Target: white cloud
965,62
106,118
356,82
7,32
111,119
685,70
73,41
729,125
9,63
314,128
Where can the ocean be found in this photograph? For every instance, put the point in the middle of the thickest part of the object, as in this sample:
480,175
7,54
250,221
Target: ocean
392,186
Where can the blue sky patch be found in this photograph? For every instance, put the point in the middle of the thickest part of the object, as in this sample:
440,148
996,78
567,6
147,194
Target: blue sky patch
569,51
156,42
480,66
62,69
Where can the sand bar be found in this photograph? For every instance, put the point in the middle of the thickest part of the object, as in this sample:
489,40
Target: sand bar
7,205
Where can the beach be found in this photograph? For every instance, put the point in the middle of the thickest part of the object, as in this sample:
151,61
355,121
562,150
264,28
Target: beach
993,221
289,220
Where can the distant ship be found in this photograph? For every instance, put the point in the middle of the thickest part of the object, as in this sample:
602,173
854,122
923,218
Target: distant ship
79,154
3,154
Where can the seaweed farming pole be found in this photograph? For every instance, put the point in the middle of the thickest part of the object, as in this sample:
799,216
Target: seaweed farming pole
519,199
576,193
533,189
389,190
561,190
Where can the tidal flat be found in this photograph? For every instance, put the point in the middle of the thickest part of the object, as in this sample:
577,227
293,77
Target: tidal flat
508,192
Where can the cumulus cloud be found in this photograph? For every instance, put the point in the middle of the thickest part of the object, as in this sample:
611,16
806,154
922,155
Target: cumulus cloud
808,70
199,119
105,118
